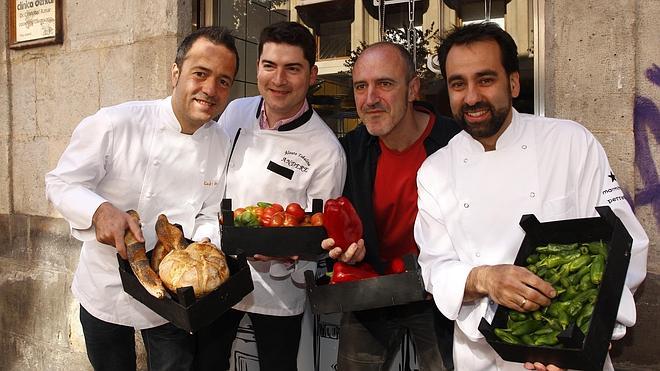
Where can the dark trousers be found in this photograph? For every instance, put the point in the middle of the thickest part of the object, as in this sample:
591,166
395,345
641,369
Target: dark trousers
277,341
369,340
112,347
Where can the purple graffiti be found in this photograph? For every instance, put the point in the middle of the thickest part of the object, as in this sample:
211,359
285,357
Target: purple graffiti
647,120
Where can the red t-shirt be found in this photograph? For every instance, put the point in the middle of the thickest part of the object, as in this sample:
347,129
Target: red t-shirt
395,196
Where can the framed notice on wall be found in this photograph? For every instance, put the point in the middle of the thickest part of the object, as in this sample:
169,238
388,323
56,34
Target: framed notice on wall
34,23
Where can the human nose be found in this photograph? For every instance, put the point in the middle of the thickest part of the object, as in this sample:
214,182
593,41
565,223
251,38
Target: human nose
209,87
472,95
279,77
372,95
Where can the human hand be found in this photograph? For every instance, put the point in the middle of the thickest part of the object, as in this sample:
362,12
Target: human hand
541,367
353,254
111,225
509,285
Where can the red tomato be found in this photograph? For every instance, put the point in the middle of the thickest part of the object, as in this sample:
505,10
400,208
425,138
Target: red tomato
277,207
267,215
296,211
317,219
277,220
290,220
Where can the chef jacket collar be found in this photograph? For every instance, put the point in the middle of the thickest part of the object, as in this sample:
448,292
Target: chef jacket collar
170,121
289,125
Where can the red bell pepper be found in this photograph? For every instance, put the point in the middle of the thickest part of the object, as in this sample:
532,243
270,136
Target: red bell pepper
342,272
396,265
342,222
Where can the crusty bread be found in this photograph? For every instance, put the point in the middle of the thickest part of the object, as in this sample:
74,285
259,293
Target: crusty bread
201,265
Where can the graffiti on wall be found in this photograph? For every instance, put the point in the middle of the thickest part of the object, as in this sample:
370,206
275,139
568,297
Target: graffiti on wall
646,126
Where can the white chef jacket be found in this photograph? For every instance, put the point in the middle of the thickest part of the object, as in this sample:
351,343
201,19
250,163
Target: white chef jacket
311,153
134,156
471,201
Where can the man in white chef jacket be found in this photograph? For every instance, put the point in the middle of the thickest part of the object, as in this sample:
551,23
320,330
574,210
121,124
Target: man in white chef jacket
473,192
164,156
283,152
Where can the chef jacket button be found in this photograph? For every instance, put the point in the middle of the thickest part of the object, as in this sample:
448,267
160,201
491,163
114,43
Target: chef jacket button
149,195
532,194
465,160
477,254
466,205
156,162
202,171
524,146
491,302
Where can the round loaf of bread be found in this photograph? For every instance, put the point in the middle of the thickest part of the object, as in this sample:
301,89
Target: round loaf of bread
201,265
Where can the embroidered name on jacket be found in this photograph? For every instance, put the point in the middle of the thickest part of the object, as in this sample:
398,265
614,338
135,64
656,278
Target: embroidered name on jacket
296,161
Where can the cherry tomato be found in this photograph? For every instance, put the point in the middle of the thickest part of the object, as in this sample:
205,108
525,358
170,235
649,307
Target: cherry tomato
317,219
296,211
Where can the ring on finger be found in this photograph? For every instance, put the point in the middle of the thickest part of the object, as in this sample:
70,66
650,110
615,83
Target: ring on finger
524,301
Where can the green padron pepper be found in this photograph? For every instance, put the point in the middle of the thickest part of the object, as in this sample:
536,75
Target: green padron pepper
597,268
506,337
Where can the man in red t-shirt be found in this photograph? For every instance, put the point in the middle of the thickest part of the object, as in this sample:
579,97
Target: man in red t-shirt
383,157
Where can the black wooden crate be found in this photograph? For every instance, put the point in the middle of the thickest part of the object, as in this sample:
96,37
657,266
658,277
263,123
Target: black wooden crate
184,311
303,241
579,351
368,293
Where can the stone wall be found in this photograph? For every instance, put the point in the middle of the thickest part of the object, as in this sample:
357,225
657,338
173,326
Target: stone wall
602,71
113,51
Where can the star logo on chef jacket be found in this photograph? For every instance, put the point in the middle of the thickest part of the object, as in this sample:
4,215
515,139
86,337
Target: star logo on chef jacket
611,176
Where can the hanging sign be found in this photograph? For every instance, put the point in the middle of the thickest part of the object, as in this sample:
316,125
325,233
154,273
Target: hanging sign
34,23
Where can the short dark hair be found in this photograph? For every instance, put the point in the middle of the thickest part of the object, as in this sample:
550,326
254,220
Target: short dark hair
215,34
291,33
482,31
411,71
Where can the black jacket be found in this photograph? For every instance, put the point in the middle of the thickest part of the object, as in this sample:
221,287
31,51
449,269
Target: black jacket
362,152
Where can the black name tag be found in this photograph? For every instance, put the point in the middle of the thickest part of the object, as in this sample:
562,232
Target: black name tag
280,170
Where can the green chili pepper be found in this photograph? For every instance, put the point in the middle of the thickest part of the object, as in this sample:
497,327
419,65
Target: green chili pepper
525,327
597,268
506,337
543,331
555,248
585,315
573,309
549,339
598,248
532,259
537,315
552,277
517,316
554,308
569,294
532,268
585,283
564,319
585,326
579,262
527,339
264,204
575,277
551,261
